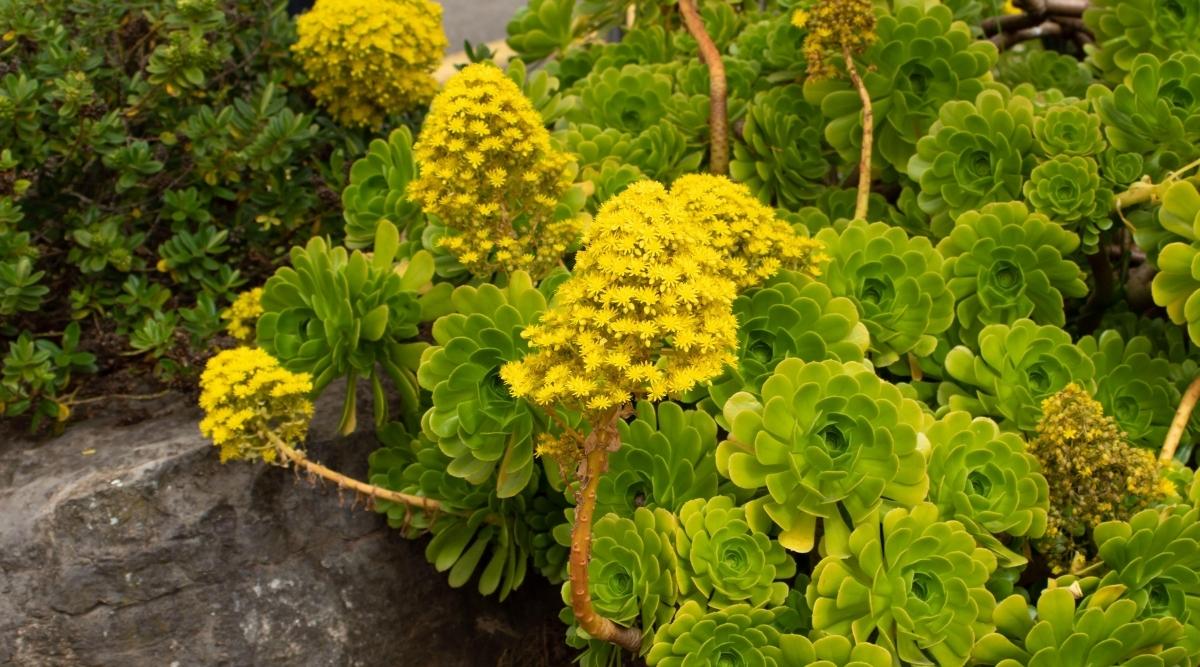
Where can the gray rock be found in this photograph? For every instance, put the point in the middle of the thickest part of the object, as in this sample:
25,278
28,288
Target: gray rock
148,551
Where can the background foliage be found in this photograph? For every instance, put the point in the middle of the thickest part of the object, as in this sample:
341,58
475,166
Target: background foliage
946,438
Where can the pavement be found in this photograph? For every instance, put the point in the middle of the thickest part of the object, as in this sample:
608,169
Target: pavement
480,21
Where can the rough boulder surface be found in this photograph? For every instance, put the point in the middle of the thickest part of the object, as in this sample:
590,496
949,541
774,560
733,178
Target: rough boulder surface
131,545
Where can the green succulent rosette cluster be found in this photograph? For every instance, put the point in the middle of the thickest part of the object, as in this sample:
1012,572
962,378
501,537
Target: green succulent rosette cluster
1154,560
986,479
631,577
542,27
1104,630
778,154
335,314
664,153
895,281
667,458
1044,69
791,317
736,635
775,43
1134,385
1004,263
1014,368
976,153
1068,129
829,442
1178,279
544,517
1126,29
922,59
378,182
1069,191
475,533
604,155
1155,112
724,562
911,583
629,99
478,423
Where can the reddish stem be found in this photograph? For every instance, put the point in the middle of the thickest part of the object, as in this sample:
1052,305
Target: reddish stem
596,448
718,115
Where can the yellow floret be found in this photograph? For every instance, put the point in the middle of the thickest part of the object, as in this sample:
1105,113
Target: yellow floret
1095,475
833,27
247,395
498,180
243,313
368,59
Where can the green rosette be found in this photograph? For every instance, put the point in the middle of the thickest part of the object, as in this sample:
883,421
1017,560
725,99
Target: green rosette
667,458
911,583
976,153
1016,367
723,561
1102,631
736,635
829,442
895,281
1004,263
1134,385
484,429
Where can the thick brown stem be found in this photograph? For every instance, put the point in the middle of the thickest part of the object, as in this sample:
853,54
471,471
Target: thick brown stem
298,458
1047,29
596,447
1008,23
868,122
718,115
1178,425
914,367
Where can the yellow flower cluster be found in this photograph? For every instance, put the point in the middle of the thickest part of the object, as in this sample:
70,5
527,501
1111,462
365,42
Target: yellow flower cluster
246,394
1095,475
490,174
243,313
737,224
833,27
648,308
371,58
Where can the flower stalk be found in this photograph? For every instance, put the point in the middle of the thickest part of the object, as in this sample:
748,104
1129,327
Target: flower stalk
868,122
718,115
603,439
300,460
1178,425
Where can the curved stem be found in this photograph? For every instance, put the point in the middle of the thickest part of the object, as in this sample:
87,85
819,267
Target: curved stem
298,458
596,447
1144,191
1178,425
718,114
868,122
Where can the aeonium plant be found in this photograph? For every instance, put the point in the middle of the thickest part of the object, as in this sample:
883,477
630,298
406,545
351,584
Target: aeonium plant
337,314
599,345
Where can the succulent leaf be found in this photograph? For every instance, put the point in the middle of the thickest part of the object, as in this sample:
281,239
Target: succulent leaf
723,561
896,282
828,441
1004,263
910,582
474,419
1016,367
